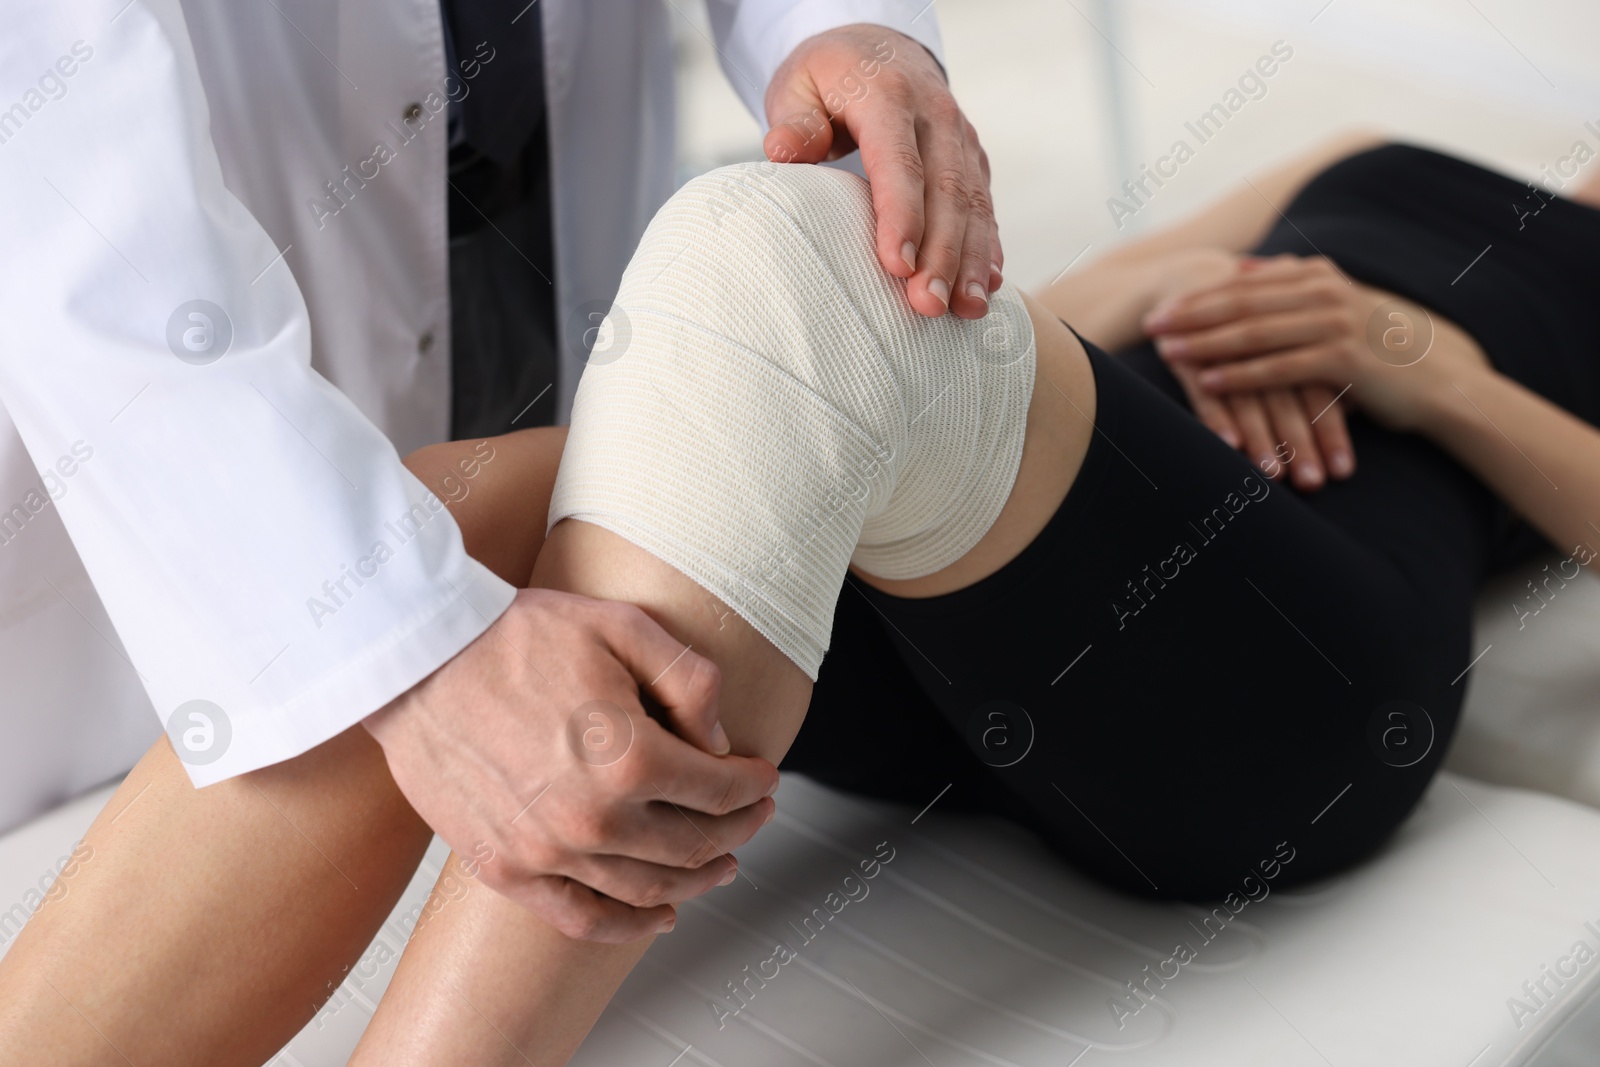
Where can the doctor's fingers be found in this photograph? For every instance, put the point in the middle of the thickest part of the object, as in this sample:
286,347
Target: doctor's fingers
582,914
686,684
956,210
980,251
660,855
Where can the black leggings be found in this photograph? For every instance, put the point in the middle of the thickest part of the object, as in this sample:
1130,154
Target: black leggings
1193,674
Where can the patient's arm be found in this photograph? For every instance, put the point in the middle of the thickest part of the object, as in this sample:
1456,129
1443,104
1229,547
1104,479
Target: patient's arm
1106,299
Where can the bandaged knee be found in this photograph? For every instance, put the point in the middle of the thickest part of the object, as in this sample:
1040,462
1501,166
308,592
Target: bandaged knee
763,407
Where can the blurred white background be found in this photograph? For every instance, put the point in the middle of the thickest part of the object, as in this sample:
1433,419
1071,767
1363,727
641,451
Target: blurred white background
1504,82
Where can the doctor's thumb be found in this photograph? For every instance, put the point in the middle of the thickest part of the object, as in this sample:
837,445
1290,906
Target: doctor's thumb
802,127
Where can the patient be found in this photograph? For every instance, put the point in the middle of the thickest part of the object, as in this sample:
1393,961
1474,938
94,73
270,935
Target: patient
1067,596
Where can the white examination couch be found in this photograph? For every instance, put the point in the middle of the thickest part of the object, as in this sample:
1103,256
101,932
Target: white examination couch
1457,946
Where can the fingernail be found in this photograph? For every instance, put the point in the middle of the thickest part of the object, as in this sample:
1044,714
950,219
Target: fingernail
668,925
1172,346
976,291
1339,464
1309,475
1210,379
994,268
733,872
1159,319
773,788
1230,438
908,252
940,290
772,811
719,739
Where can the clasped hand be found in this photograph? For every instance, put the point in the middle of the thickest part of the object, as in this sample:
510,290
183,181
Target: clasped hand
1270,353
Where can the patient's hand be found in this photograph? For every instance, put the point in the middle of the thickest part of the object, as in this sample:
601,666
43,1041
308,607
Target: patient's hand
532,741
1295,321
1305,422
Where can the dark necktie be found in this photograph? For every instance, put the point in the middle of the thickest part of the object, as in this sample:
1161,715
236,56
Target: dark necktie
502,246
504,105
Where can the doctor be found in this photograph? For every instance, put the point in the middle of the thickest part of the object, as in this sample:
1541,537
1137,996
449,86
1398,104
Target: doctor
255,252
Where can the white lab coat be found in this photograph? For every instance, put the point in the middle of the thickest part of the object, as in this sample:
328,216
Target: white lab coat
241,531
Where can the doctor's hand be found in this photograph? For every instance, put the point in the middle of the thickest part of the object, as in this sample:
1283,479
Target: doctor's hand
868,87
532,742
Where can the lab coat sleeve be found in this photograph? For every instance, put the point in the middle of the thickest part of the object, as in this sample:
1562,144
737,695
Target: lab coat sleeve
755,36
268,563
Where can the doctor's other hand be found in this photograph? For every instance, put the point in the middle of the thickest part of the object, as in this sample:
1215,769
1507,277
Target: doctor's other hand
868,87
533,742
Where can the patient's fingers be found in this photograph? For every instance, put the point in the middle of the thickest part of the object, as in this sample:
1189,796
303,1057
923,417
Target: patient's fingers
1292,426
1333,436
1242,297
1208,408
1256,334
1300,367
1250,414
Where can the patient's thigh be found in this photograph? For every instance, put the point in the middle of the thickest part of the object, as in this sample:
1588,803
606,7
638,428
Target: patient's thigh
205,926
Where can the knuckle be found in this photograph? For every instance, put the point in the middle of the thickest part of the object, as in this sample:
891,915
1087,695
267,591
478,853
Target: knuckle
702,853
583,923
903,155
656,890
728,797
632,774
536,857
943,110
589,829
979,202
952,185
703,683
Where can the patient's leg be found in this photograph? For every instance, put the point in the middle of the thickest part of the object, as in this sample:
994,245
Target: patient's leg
208,926
487,982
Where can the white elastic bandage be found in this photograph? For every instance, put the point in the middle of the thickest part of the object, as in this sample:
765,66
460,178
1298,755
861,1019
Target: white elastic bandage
763,406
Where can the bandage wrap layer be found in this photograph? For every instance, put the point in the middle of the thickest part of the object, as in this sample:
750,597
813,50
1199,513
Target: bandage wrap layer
762,405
